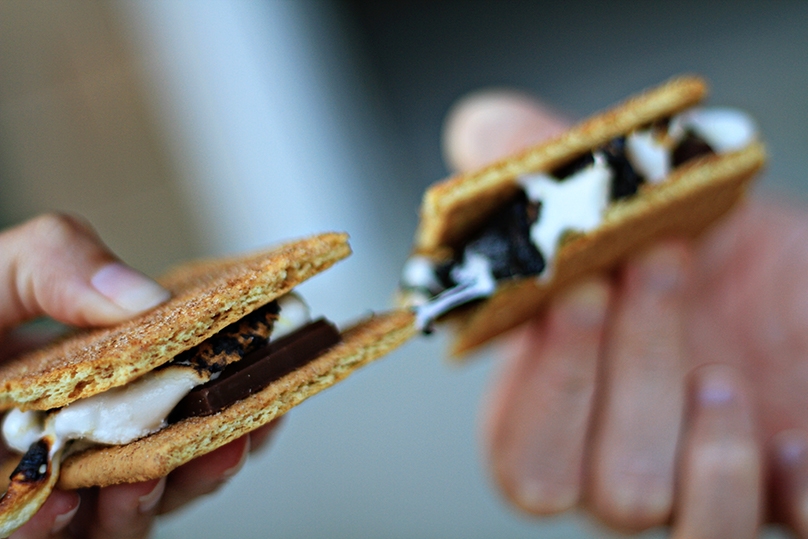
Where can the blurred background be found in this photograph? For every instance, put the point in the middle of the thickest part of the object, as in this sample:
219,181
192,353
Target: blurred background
184,128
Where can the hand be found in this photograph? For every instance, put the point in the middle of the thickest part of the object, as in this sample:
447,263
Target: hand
56,265
662,393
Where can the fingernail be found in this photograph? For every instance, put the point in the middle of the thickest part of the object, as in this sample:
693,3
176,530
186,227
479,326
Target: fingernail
530,495
534,497
230,472
127,288
148,502
663,268
716,390
61,521
585,304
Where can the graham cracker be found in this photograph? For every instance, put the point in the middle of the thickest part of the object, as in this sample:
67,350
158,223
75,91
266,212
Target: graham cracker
156,455
206,297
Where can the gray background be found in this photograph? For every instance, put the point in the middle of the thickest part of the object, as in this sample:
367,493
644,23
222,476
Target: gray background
185,128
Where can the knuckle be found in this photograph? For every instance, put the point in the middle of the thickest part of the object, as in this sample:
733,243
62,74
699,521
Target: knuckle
722,459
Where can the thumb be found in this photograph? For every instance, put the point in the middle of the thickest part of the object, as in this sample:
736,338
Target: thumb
488,125
56,265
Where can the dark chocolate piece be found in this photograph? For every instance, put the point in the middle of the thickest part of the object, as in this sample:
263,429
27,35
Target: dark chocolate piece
443,272
34,464
625,181
257,370
505,241
577,164
691,147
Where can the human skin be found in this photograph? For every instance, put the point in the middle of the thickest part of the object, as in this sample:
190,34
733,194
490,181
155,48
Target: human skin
672,391
55,265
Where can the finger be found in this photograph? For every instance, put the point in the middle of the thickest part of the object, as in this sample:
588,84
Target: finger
57,512
57,266
789,471
540,410
719,492
643,394
489,125
204,474
123,511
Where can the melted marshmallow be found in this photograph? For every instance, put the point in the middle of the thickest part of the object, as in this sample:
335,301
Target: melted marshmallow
116,416
294,314
418,272
724,129
648,156
419,281
577,203
475,281
21,429
123,414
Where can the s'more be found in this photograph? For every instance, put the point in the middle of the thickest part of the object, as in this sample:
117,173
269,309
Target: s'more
234,348
493,245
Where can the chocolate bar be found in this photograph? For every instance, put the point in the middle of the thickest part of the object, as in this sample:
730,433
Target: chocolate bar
257,370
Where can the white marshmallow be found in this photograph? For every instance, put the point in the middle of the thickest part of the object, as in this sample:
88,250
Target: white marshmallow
724,129
576,203
647,156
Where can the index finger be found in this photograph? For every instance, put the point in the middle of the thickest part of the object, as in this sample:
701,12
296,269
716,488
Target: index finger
56,265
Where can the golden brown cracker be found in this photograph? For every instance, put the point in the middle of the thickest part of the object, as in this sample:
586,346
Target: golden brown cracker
206,297
158,454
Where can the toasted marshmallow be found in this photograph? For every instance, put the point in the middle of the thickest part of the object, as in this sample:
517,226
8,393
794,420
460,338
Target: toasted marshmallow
724,129
649,157
575,204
